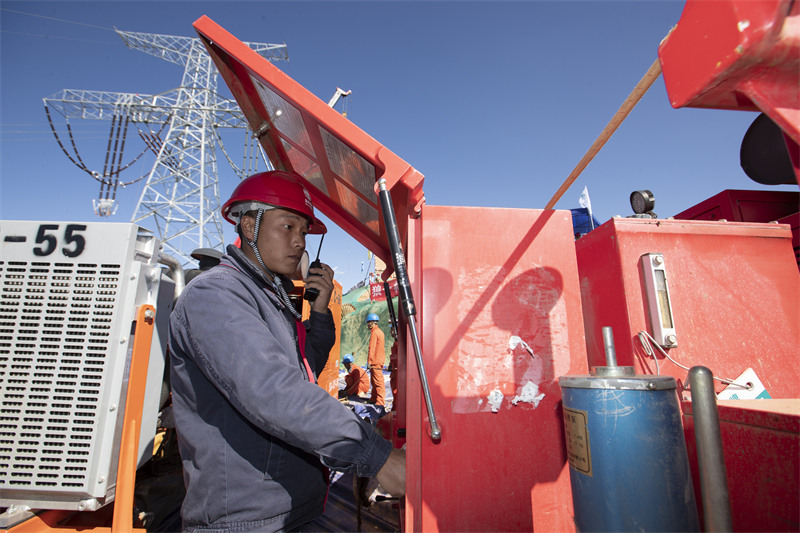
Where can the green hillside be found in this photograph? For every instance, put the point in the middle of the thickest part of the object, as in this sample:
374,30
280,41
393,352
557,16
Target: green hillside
355,335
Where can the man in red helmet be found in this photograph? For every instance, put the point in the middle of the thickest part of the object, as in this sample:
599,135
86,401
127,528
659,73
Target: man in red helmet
255,432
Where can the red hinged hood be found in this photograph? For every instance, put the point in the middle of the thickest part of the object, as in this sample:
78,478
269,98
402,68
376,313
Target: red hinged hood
340,163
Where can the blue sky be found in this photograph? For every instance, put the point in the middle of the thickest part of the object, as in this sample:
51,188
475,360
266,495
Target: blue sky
494,102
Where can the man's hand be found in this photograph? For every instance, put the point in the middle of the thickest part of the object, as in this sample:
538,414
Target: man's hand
322,280
392,476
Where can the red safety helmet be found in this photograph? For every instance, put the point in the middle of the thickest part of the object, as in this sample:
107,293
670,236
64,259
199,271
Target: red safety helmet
276,188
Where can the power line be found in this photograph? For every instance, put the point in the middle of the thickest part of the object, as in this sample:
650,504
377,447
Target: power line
29,139
45,36
56,19
180,199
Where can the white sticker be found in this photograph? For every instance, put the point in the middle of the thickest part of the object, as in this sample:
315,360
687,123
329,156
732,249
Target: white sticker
495,399
530,394
745,387
515,341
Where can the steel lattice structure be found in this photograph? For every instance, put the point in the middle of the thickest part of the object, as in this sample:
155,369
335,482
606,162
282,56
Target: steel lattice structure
180,200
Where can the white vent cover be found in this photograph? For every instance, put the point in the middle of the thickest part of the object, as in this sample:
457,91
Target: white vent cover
68,298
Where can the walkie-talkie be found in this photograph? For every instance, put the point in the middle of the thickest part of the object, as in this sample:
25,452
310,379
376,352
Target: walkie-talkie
311,293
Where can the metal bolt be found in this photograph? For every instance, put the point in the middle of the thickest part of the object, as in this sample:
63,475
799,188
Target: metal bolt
122,340
82,506
101,479
651,385
658,260
112,408
672,339
149,314
133,277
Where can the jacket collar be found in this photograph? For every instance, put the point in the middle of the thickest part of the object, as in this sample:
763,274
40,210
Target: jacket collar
239,260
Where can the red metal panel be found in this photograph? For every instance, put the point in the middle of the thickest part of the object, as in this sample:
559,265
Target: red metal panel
761,446
737,54
751,206
793,221
744,206
484,275
734,289
339,162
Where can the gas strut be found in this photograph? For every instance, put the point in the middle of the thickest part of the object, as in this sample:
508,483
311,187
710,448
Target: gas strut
388,292
406,298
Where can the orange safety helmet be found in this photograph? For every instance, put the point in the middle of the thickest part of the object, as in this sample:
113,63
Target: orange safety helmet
276,188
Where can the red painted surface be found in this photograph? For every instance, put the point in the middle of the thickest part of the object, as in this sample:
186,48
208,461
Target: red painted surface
761,446
744,206
483,275
734,289
751,206
737,54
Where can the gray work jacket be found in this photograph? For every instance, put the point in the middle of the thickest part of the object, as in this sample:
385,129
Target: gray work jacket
253,431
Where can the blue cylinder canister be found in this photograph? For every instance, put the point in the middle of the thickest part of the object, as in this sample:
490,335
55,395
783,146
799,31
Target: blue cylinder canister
629,468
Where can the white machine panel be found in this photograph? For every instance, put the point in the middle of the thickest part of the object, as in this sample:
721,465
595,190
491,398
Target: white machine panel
68,298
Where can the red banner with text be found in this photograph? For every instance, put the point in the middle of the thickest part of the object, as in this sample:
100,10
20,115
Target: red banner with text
377,294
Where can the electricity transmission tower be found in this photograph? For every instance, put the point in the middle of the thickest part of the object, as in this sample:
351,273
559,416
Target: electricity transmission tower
180,199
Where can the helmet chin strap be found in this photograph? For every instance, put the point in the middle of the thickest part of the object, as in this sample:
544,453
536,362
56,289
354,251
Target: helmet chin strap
276,284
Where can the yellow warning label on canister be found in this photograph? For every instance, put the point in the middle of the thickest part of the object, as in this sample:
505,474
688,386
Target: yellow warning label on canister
576,431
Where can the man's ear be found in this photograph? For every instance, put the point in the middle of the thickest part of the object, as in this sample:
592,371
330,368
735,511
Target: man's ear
248,224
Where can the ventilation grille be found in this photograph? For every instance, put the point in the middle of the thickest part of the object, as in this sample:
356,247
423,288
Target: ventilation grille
55,331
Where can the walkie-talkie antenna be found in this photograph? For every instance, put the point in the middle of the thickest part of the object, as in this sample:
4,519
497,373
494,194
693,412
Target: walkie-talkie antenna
320,248
311,293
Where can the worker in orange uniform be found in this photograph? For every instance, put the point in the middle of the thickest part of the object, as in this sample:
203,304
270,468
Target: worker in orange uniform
356,381
375,360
